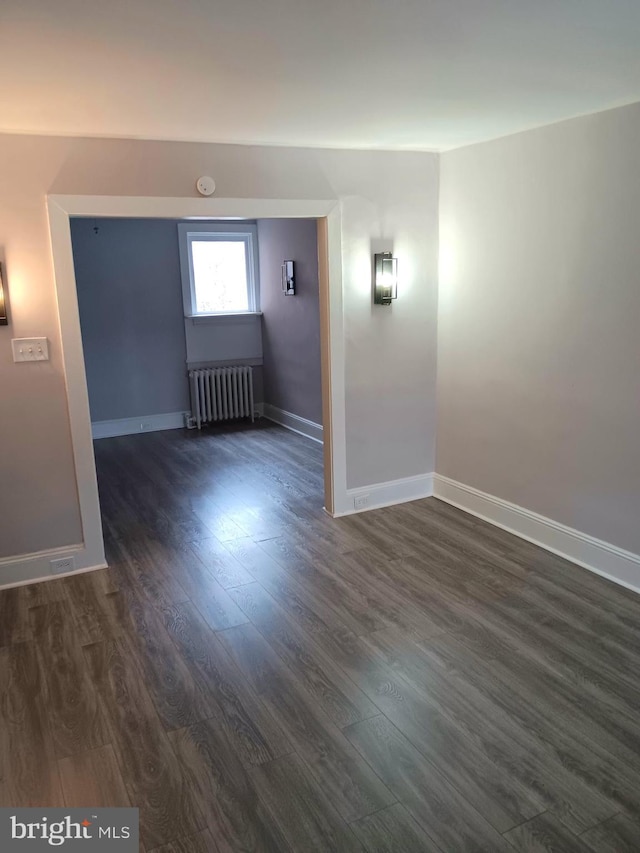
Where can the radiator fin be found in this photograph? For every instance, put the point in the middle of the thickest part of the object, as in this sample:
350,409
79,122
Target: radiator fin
221,393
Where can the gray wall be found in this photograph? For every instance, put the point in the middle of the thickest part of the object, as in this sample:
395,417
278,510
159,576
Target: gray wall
291,324
135,336
539,311
130,299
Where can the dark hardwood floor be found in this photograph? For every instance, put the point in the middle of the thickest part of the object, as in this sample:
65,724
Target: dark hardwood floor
256,676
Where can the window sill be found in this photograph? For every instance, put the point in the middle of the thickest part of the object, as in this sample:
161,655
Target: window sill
243,317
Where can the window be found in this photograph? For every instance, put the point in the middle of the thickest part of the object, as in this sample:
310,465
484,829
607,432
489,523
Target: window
219,268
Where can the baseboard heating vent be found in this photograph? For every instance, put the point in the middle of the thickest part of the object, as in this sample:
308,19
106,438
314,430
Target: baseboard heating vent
220,394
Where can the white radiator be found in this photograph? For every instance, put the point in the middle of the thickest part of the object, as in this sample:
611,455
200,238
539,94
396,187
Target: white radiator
221,393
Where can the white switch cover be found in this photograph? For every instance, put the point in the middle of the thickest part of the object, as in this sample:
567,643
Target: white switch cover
30,349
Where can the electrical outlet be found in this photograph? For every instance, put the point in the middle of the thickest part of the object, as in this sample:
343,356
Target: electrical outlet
145,426
361,501
64,564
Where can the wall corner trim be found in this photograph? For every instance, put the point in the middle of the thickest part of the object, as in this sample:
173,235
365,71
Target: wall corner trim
293,422
386,494
602,558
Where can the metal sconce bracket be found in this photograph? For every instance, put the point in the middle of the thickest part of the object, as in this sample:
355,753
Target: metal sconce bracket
385,280
288,281
4,319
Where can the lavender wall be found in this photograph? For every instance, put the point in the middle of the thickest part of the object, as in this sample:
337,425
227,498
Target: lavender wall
291,324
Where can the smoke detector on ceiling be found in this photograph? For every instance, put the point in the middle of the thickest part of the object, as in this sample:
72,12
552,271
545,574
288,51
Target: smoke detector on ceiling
206,185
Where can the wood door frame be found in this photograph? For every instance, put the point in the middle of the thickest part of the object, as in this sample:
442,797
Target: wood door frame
61,208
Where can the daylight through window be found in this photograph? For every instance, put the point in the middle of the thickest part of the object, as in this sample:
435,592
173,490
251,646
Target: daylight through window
219,268
219,276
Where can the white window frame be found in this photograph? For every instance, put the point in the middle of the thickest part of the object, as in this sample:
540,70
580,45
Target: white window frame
189,232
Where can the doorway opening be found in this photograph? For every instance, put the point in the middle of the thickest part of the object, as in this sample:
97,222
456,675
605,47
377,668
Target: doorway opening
201,343
62,209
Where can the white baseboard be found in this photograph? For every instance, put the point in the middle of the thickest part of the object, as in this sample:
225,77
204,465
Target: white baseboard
385,494
616,564
145,423
30,568
293,422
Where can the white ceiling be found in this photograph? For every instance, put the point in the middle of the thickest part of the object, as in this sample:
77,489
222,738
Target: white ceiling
406,74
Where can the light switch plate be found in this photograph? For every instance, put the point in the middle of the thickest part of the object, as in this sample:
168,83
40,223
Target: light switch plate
30,349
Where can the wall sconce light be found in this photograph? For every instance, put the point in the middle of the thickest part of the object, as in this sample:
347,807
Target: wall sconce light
4,320
288,282
385,287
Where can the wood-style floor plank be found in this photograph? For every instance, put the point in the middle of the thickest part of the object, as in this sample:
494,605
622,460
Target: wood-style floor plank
91,610
15,604
224,526
301,809
14,617
347,780
93,779
223,791
255,675
543,706
76,719
177,699
544,834
221,563
29,770
465,701
333,690
619,834
390,604
464,749
393,830
147,565
445,815
251,728
337,594
202,842
215,603
311,611
155,780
